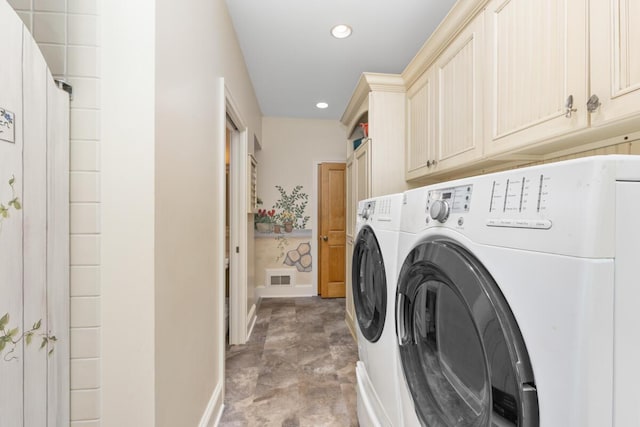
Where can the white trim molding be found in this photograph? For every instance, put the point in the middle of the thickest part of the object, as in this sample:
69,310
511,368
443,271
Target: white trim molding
213,412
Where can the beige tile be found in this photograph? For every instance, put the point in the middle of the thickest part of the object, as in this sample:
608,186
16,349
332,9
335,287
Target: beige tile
85,218
50,5
84,187
55,55
83,6
83,30
83,61
85,249
20,4
85,124
84,281
85,342
86,92
85,312
26,20
85,404
84,156
85,373
50,28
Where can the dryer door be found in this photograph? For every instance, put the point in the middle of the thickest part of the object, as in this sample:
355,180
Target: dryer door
369,284
462,353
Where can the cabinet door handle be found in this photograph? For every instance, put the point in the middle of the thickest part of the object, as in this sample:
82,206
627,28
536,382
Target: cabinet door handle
569,107
593,103
325,238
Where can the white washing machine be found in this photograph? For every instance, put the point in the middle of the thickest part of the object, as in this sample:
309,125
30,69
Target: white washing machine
518,298
374,275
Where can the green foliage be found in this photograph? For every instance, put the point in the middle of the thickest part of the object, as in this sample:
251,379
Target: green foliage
11,337
291,207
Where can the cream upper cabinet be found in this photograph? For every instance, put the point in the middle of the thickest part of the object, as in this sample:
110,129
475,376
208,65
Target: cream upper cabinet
421,153
460,75
615,59
362,169
444,107
537,64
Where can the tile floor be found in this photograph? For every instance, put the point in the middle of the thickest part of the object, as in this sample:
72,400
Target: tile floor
298,368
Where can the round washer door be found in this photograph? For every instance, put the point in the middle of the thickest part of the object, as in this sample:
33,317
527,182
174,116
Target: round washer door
462,353
369,283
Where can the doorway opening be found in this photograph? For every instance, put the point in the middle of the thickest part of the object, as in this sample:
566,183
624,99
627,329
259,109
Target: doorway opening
241,309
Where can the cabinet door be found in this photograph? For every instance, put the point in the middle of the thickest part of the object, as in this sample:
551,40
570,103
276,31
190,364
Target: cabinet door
615,58
460,75
537,59
362,160
421,126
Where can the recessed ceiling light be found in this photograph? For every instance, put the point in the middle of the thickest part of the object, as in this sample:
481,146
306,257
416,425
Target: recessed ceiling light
322,105
341,31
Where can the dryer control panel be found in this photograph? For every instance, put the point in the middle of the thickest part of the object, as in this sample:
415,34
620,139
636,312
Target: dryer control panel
443,202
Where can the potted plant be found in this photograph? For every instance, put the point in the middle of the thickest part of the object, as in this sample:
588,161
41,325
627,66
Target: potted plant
264,220
287,220
292,206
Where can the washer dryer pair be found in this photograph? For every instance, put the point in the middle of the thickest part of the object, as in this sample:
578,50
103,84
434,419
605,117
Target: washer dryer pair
514,301
374,275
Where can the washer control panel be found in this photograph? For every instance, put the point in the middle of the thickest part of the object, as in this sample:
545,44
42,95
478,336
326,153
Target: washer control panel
441,203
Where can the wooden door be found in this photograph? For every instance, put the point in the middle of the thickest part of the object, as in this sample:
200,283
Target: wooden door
615,59
34,234
332,229
537,58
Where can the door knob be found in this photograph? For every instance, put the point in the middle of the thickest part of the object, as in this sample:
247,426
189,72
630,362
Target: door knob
325,238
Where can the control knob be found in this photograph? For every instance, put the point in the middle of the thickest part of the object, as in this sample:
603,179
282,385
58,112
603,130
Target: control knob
366,212
439,210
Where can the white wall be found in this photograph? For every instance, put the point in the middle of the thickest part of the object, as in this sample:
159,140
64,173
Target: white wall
291,148
128,312
163,241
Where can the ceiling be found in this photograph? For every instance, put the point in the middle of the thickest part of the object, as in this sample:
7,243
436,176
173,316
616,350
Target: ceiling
294,62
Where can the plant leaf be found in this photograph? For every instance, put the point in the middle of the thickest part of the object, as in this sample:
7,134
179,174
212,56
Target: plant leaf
13,332
50,351
28,338
12,180
4,320
37,324
44,342
16,204
2,345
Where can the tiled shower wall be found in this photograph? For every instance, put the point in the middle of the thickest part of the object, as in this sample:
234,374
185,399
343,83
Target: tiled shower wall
67,32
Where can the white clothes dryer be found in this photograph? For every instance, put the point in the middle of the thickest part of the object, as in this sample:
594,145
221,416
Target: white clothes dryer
517,298
374,275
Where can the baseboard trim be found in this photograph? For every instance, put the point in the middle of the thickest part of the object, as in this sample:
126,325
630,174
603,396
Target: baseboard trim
251,321
213,412
286,291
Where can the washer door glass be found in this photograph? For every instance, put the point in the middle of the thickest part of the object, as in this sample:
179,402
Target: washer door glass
369,284
462,353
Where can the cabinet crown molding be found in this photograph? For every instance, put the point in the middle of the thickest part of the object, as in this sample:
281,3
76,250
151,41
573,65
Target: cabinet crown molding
458,17
369,82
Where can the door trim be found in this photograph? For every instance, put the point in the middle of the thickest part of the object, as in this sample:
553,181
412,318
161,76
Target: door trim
240,317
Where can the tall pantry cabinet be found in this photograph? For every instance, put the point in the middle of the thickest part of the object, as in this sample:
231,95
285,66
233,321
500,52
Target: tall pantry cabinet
376,166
